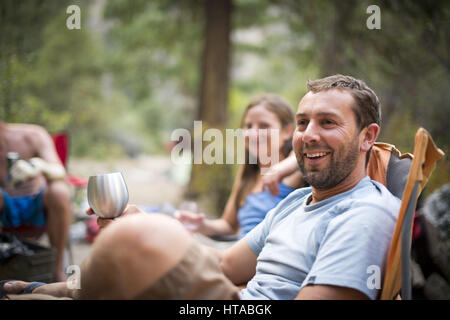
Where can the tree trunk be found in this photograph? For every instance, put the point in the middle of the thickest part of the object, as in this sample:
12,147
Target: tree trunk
334,58
213,182
215,64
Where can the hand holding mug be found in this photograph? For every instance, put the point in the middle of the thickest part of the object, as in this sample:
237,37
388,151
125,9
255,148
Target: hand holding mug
103,222
107,197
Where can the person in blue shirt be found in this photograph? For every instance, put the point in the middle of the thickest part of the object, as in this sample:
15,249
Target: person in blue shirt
254,193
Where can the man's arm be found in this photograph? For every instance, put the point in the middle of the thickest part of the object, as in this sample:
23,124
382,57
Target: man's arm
239,263
43,145
327,292
47,160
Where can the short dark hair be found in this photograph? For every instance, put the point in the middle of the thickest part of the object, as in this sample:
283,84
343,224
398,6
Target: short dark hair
366,107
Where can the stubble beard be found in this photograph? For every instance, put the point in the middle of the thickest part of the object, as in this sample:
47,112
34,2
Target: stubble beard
342,162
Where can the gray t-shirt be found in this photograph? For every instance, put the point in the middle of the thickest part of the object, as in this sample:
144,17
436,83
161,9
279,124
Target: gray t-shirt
342,241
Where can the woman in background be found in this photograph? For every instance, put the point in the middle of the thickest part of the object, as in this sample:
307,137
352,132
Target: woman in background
258,187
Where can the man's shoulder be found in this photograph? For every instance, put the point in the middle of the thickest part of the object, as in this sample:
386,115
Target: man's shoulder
373,198
379,194
30,132
26,128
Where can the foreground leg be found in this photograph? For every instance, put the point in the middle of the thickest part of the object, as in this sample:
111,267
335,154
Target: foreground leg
127,257
57,205
146,256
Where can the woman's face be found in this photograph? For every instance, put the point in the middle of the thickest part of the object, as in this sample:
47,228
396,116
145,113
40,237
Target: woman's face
262,128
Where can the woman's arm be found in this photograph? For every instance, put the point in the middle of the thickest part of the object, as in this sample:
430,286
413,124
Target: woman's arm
287,171
227,224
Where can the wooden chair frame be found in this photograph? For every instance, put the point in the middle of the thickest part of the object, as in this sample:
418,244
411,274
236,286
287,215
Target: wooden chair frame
398,267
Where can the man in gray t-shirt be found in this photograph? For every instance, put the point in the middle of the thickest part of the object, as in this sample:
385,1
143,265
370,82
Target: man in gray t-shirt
340,241
329,241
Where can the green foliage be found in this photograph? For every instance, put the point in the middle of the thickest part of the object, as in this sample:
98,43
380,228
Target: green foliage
155,47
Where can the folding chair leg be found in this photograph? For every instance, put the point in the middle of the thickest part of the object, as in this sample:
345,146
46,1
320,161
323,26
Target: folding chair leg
406,245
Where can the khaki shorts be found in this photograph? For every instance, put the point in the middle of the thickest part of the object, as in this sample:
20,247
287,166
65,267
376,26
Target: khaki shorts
197,276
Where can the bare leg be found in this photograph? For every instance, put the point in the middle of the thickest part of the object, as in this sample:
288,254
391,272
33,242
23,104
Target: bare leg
127,257
57,206
131,254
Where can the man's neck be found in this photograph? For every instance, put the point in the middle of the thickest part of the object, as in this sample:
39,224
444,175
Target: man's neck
347,184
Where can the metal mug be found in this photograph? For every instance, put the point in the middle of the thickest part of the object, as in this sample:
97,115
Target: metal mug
107,194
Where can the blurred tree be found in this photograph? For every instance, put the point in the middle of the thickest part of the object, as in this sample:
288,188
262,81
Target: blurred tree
153,53
165,38
214,180
50,75
21,25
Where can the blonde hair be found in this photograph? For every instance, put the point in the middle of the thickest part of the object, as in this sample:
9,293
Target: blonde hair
248,174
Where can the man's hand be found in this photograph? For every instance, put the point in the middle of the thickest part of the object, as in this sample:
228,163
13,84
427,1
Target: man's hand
23,170
52,171
103,222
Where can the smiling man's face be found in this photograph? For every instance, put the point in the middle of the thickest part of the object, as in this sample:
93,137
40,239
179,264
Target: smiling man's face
326,140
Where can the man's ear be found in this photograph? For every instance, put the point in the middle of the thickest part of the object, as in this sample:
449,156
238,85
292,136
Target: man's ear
368,136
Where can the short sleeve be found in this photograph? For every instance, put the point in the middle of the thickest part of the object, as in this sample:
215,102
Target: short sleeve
257,236
353,250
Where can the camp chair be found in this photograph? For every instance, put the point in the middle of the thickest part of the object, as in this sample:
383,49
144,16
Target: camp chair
61,142
398,267
389,166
